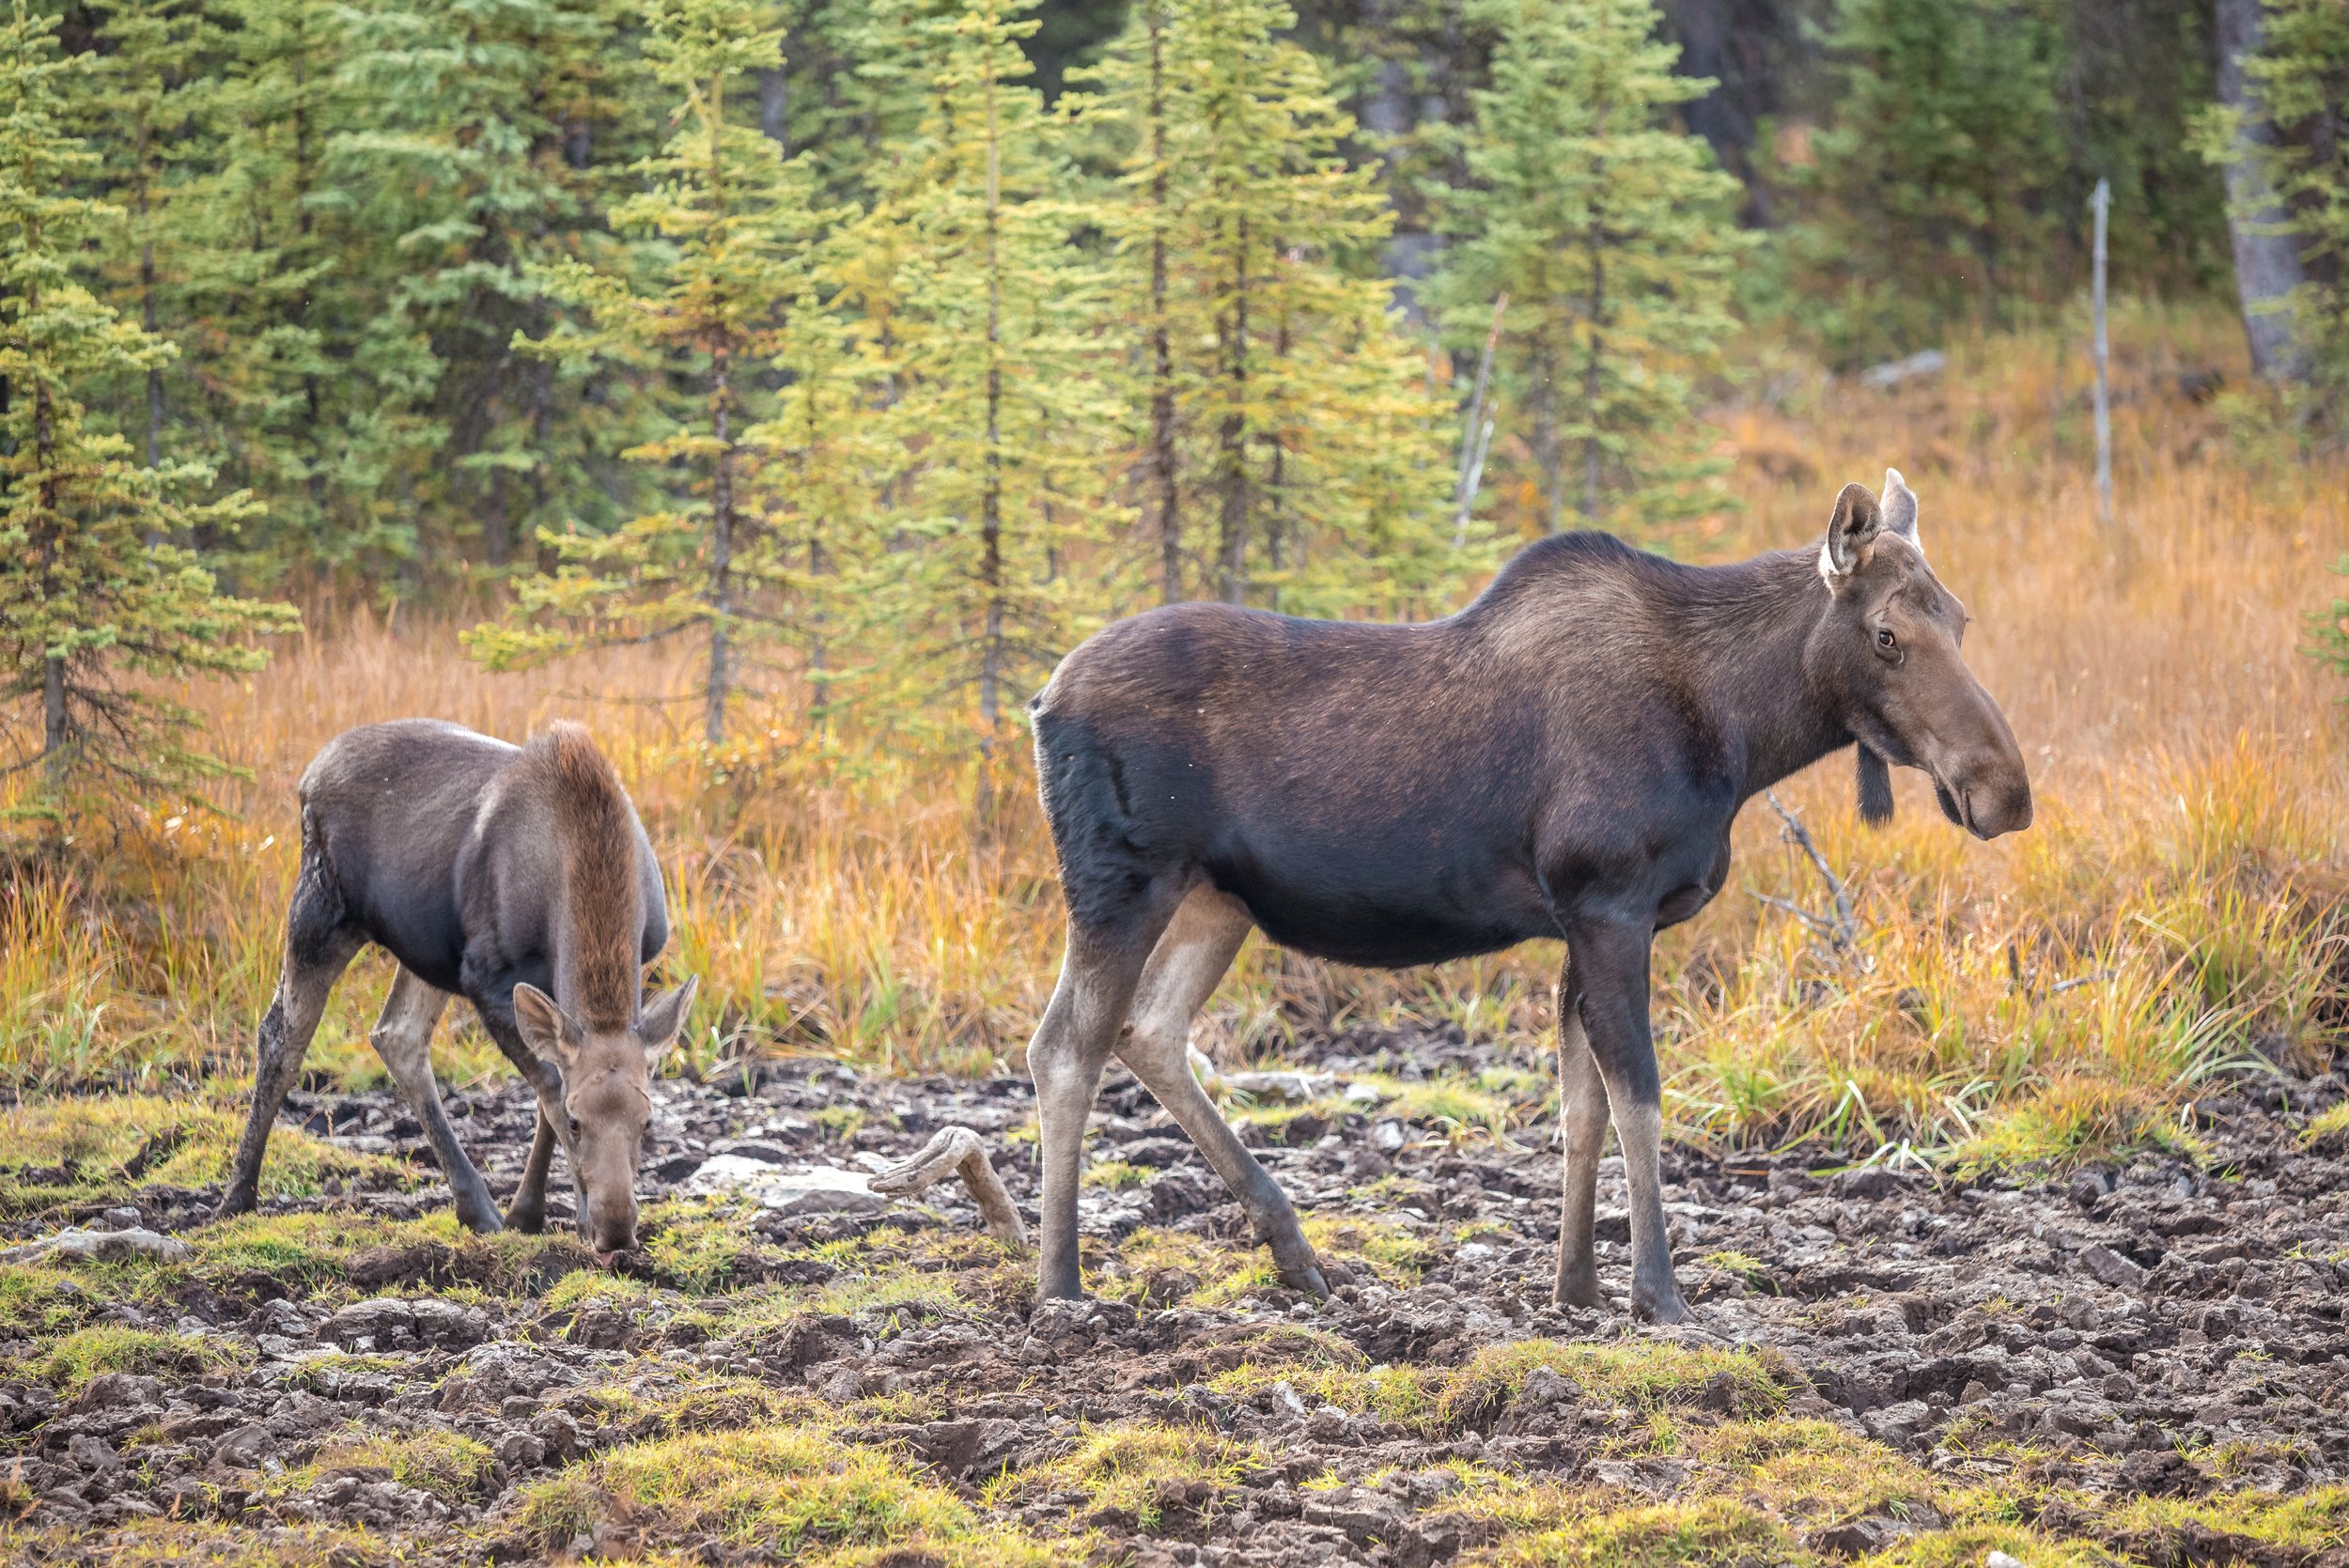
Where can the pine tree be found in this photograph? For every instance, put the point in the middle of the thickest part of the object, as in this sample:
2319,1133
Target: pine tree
991,363
1610,233
728,226
1284,428
1929,196
84,600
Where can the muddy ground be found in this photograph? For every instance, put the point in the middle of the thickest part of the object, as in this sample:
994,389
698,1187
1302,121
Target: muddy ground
2137,1364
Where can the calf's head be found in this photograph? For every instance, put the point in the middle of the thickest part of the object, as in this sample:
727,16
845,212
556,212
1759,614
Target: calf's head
599,1100
1886,650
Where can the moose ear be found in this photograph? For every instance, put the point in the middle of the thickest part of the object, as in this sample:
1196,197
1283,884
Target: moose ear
1875,788
1854,524
1898,509
549,1034
666,1015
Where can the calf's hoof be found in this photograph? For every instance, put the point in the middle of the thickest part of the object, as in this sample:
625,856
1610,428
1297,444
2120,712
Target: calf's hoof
481,1221
232,1204
527,1221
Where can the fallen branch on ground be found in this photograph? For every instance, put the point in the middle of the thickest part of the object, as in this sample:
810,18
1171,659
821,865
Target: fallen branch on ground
958,1149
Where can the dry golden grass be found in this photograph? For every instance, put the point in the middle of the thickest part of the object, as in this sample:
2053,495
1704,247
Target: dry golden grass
2174,911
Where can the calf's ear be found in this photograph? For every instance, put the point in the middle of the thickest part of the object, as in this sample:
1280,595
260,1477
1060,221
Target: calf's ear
1855,523
549,1033
1875,788
665,1015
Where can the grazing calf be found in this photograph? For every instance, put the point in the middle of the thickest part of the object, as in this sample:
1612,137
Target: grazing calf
517,877
1562,758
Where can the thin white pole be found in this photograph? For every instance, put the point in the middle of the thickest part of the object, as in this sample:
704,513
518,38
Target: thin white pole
2102,201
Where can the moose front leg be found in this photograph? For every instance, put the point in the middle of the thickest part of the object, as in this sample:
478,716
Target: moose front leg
1611,961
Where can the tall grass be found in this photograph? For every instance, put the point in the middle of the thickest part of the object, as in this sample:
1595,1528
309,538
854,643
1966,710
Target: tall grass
2173,915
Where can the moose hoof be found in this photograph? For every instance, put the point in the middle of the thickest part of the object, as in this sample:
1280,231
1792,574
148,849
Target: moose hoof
1663,1310
527,1221
1580,1290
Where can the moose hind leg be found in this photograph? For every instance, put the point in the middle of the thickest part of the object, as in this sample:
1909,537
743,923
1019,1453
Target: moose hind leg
1072,1044
403,1038
318,947
1183,971
1583,1121
1611,962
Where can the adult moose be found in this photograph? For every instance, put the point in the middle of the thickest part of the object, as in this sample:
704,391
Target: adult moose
504,874
1562,758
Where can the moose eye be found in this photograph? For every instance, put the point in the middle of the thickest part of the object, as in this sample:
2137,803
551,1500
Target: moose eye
574,1126
1885,638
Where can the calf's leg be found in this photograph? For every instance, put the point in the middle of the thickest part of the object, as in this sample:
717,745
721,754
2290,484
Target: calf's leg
1611,961
318,947
1073,1042
1582,1120
1183,970
528,1213
403,1038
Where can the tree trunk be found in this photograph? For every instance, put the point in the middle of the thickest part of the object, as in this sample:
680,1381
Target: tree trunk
720,552
2267,265
1162,348
774,106
991,494
1548,445
1233,437
1592,452
55,732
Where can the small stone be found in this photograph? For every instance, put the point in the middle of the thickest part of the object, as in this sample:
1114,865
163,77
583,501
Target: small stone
2108,1267
2001,1559
1388,1136
241,1449
1975,1392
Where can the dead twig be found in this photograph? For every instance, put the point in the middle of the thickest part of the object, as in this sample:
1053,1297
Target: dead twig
958,1149
1840,927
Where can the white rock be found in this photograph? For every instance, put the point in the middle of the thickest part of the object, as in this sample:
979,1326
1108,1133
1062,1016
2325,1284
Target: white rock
1388,1136
2001,1559
101,1246
825,1190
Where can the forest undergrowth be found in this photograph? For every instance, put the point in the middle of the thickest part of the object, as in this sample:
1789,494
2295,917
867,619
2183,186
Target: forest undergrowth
2172,918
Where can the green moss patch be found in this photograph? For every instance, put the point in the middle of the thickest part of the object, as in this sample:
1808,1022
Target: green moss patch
1135,1475
70,1363
785,1491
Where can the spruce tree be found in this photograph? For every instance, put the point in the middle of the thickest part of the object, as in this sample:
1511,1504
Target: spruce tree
1929,195
999,415
461,178
87,604
144,117
1288,444
1611,234
727,229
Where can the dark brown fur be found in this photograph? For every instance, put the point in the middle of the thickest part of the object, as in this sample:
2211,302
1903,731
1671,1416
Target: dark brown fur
1562,758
